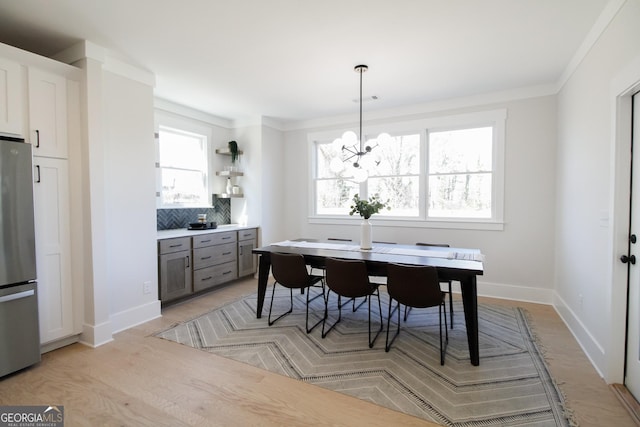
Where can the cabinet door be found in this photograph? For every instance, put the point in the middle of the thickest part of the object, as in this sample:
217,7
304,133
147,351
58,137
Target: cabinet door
47,114
246,259
175,275
10,97
53,248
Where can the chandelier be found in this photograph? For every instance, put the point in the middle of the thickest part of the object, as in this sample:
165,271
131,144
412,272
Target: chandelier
355,151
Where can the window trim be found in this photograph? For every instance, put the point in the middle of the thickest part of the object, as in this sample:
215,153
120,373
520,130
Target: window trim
495,118
189,128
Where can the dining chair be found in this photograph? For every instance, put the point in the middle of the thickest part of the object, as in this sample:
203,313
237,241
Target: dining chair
340,239
349,278
448,282
290,271
418,287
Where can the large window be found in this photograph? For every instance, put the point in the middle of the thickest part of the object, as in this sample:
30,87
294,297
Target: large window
183,168
437,171
460,173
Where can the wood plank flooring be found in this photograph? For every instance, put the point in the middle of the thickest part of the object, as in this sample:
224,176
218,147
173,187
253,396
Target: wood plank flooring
138,380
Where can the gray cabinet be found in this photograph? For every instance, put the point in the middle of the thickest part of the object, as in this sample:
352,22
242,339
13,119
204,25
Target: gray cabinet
174,265
247,242
214,259
199,262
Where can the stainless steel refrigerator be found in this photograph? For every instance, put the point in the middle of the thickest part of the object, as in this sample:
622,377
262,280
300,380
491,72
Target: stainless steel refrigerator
19,331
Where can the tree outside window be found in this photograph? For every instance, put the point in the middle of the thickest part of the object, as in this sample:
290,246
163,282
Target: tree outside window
183,168
440,174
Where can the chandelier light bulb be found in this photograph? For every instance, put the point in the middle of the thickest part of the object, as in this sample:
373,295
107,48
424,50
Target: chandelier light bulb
336,165
360,175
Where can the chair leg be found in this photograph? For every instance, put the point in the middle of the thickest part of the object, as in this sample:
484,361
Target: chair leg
387,346
273,292
407,310
450,304
307,318
326,315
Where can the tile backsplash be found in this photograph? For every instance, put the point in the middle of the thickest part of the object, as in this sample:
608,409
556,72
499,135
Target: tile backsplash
168,219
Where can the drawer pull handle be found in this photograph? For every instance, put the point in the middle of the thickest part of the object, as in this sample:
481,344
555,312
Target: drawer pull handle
226,238
205,241
226,253
175,246
205,257
204,279
226,272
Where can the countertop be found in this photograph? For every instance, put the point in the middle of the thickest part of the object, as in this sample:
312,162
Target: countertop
183,232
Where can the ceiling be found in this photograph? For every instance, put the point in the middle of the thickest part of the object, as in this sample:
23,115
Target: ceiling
293,60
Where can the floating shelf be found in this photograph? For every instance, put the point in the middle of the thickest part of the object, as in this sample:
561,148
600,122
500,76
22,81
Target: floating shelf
227,152
229,173
229,196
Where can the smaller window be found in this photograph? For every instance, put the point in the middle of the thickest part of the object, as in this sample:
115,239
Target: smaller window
460,173
183,168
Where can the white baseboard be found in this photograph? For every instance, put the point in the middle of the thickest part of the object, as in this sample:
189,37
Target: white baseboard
590,346
135,316
54,345
96,335
511,292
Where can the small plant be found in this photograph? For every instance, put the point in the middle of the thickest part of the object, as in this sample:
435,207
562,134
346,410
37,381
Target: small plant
366,208
233,148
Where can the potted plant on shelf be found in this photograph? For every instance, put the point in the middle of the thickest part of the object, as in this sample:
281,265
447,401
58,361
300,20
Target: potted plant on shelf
233,148
366,208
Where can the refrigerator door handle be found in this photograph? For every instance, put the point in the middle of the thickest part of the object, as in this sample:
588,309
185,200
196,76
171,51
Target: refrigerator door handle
18,295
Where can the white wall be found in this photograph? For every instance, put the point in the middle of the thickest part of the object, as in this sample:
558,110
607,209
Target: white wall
130,200
519,259
586,260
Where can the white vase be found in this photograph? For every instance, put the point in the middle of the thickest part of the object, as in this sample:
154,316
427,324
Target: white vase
365,234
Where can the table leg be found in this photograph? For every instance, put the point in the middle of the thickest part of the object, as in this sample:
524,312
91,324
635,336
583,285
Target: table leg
470,302
263,278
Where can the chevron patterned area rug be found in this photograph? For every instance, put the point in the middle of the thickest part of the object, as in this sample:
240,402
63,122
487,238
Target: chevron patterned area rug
512,386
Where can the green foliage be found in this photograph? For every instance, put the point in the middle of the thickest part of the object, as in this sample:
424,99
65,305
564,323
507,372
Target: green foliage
233,147
367,208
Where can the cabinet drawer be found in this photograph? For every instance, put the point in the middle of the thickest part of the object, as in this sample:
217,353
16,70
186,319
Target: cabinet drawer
167,246
248,234
211,276
214,255
211,239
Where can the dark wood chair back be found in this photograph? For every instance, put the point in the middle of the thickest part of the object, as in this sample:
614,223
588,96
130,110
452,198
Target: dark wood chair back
348,278
414,286
289,270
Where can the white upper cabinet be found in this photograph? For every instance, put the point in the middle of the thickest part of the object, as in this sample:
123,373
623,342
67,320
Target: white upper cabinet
10,97
47,114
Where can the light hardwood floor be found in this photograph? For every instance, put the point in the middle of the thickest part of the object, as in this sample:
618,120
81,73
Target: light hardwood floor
138,380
